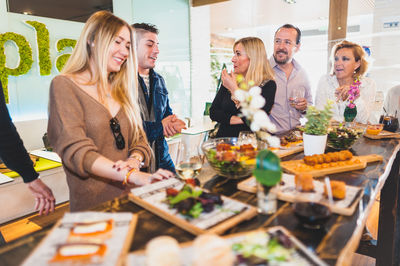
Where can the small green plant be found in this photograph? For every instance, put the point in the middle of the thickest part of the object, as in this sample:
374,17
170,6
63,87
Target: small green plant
318,120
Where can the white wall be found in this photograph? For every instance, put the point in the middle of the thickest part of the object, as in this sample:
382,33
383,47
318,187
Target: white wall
200,59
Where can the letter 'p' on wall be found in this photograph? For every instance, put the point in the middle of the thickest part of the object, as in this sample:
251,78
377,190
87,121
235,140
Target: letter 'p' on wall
25,53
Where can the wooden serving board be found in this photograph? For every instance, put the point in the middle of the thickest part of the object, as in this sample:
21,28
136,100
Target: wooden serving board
384,135
304,255
283,152
287,192
118,243
298,166
153,198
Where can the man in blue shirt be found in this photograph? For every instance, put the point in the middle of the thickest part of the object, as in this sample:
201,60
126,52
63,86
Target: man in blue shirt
159,121
290,78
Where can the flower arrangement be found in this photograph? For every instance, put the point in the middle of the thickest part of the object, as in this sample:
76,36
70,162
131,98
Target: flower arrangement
354,92
251,102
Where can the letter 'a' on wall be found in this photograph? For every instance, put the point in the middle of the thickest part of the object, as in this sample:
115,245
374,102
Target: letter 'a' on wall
61,45
25,58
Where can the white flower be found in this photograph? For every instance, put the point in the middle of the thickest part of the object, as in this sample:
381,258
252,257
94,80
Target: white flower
254,126
273,141
257,102
255,91
240,95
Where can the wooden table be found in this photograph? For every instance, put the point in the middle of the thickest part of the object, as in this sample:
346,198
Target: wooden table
335,243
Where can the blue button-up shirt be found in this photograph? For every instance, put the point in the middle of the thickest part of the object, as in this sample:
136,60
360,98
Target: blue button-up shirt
283,115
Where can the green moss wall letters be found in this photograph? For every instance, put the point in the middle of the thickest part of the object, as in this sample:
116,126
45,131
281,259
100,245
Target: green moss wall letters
25,58
43,42
62,59
25,53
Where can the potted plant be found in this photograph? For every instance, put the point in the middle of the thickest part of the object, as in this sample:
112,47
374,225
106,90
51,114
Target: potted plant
316,128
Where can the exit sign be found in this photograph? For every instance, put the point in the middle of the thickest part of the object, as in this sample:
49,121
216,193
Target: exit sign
393,24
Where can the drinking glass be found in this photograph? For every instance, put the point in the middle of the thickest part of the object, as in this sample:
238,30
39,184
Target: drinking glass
311,209
189,161
247,137
295,96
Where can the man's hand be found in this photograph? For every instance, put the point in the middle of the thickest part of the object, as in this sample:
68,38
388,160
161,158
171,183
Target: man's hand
44,198
301,104
172,125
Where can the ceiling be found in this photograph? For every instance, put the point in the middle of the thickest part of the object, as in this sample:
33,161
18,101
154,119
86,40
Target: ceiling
76,10
242,14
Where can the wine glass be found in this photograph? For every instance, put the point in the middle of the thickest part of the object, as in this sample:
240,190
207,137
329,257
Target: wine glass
189,161
295,96
247,137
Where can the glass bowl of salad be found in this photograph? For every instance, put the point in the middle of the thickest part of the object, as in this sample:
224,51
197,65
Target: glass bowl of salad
228,158
342,138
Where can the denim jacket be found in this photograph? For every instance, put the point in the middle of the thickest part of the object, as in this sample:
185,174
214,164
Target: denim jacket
154,130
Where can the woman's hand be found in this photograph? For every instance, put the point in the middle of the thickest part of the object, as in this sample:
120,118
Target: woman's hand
129,164
236,120
229,81
342,93
141,178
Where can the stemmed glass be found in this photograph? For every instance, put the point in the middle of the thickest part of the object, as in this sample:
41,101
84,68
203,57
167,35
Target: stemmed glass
247,137
189,161
294,97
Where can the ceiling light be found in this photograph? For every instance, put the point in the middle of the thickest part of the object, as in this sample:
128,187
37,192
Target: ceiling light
290,1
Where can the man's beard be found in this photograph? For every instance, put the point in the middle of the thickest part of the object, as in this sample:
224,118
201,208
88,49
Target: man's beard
282,62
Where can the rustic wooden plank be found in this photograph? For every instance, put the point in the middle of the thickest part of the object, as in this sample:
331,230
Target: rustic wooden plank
294,165
32,223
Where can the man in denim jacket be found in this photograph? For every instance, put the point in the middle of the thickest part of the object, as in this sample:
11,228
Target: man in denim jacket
159,121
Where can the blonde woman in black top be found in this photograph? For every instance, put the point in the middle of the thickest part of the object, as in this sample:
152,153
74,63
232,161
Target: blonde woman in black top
250,60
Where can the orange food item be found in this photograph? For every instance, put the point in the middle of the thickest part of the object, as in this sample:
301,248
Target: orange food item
304,182
338,190
223,147
229,156
374,129
79,253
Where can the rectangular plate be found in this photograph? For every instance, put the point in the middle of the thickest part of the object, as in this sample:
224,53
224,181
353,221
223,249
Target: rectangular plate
117,245
153,198
305,255
287,192
298,166
384,135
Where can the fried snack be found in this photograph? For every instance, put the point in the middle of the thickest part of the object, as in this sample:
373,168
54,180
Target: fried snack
163,251
327,158
338,190
79,253
212,250
304,182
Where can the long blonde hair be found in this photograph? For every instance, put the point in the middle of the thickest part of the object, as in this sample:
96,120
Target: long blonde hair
259,69
91,54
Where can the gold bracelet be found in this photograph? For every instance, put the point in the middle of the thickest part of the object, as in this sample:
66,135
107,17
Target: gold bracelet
137,157
127,176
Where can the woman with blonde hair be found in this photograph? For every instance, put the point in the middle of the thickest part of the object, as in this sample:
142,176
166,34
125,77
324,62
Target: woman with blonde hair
250,60
348,72
94,119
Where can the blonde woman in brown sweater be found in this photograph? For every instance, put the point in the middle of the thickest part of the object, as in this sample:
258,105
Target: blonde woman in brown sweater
94,119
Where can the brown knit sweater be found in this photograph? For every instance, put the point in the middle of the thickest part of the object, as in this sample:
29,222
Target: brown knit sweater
79,131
